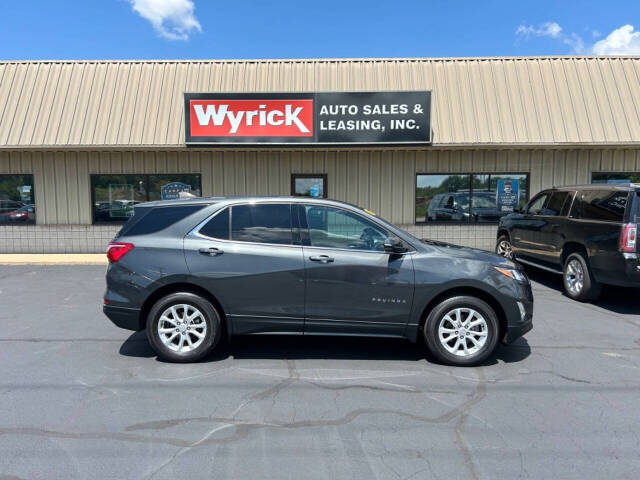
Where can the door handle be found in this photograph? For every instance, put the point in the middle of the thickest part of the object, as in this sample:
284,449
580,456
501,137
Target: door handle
321,258
212,251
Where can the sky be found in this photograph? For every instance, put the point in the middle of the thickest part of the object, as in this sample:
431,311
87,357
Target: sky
196,29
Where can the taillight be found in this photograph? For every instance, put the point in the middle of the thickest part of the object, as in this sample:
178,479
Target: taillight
115,250
628,237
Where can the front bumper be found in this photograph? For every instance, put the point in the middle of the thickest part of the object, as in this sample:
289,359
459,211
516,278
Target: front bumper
519,315
516,331
127,318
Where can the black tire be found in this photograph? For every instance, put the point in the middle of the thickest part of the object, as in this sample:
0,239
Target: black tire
504,247
574,265
432,324
211,335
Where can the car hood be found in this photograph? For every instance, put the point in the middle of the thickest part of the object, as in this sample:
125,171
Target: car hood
470,253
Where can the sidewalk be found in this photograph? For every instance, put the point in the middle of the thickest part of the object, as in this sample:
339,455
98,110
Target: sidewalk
53,259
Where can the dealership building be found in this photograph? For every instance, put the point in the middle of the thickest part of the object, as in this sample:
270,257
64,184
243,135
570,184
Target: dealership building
442,147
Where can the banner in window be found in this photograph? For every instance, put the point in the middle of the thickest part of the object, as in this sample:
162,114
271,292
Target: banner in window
171,191
507,195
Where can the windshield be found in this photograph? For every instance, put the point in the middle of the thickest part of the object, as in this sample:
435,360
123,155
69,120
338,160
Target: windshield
484,201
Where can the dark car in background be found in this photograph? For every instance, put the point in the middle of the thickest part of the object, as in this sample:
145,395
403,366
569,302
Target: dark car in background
24,214
190,271
587,233
7,207
454,206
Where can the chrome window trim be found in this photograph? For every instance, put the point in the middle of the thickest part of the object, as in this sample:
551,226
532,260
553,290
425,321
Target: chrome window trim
195,232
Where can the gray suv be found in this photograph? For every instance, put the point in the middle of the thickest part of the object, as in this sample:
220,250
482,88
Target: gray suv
191,271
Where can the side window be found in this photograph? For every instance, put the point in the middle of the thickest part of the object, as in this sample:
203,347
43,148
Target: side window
335,228
604,205
262,223
536,204
555,204
218,226
449,204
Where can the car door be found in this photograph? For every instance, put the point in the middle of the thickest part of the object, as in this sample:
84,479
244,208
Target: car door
246,256
552,232
526,229
352,284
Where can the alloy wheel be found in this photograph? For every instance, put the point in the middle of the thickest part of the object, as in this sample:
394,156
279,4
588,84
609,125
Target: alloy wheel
504,249
182,328
574,276
463,332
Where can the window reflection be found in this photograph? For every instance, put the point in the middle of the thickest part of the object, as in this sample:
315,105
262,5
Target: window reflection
469,197
114,196
17,202
442,198
309,185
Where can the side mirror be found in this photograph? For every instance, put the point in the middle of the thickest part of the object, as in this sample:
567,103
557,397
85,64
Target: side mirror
394,245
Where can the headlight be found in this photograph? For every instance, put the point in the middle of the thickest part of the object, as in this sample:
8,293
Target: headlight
512,273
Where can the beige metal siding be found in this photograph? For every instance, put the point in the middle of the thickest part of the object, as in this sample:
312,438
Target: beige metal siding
383,181
512,101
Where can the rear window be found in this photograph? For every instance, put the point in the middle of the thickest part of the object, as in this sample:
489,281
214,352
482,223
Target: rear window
151,220
604,205
138,213
262,223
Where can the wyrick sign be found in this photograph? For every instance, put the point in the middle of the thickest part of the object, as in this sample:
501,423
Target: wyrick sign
331,118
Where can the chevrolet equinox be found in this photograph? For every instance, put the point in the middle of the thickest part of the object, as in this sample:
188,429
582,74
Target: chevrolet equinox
190,271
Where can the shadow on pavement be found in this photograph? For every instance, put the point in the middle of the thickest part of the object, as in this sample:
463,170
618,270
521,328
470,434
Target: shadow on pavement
615,299
137,345
297,347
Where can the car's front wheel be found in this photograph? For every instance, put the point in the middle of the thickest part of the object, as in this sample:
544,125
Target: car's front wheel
183,327
503,247
579,283
461,331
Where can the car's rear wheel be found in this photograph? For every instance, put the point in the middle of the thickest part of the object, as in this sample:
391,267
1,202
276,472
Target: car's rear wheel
578,280
461,331
183,327
503,247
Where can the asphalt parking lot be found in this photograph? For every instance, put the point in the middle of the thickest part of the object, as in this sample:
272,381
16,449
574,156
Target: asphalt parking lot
82,399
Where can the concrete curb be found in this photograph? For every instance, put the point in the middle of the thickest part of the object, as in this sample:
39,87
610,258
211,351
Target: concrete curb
53,259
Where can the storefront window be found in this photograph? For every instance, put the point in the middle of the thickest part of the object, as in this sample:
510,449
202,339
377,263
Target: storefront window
114,196
17,204
617,177
309,185
469,197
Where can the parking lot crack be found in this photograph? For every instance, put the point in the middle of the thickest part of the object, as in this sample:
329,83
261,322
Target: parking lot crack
465,448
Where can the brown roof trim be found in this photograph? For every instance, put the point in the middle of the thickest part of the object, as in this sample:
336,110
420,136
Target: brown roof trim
331,60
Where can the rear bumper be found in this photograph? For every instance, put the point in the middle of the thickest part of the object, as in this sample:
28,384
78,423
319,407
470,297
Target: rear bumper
622,270
127,318
632,270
